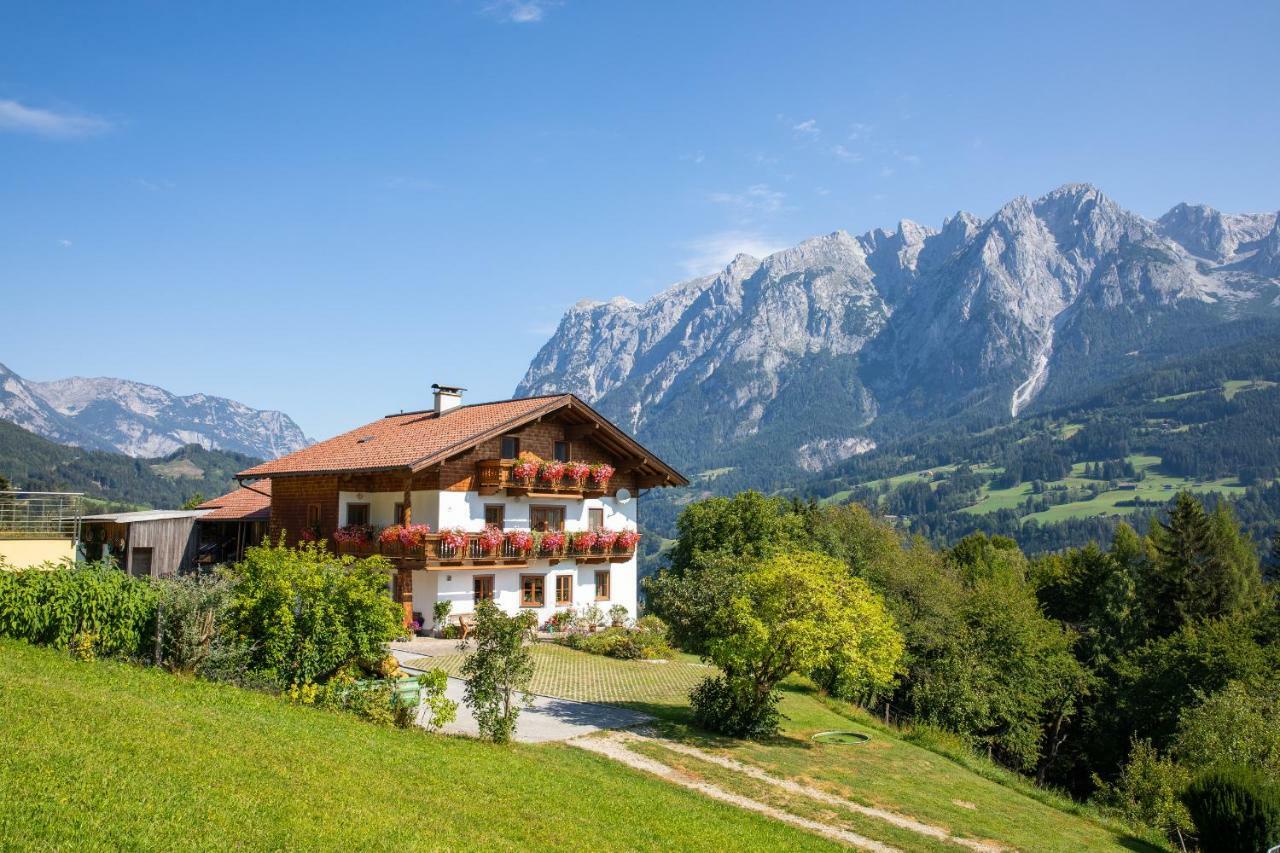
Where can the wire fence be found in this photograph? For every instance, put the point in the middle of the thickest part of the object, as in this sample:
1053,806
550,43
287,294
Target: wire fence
40,515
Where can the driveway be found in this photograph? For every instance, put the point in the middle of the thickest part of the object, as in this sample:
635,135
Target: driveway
548,719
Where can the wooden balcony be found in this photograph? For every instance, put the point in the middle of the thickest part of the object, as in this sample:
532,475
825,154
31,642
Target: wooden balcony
436,554
494,475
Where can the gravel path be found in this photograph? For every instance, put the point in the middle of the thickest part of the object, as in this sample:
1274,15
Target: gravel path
613,745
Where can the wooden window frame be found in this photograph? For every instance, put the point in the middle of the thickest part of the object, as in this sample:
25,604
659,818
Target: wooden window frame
502,446
568,451
397,512
502,514
533,525
541,581
564,579
314,512
368,511
475,593
608,584
595,518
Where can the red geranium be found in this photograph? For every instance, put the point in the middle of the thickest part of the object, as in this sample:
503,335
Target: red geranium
583,542
455,539
552,542
521,541
601,474
415,535
605,540
490,539
627,540
577,472
552,472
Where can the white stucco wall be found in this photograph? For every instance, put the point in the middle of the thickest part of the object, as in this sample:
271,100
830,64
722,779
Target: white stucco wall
446,509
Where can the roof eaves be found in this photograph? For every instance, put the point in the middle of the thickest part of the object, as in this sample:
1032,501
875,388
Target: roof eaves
466,443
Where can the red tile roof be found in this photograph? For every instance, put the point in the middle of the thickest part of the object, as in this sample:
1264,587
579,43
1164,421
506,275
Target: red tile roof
245,503
418,440
406,441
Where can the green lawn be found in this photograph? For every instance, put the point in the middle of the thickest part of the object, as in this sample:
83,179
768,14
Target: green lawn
111,756
889,772
1229,389
568,674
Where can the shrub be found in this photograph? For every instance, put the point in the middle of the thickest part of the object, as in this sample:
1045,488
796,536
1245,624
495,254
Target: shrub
618,614
621,643
720,706
440,710
498,672
1234,809
188,612
1148,792
304,613
108,611
440,614
376,700
590,616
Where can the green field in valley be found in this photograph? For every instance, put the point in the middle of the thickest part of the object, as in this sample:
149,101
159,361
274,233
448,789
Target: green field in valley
1153,486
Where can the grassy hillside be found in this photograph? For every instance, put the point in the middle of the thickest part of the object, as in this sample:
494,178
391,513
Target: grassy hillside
107,755
31,462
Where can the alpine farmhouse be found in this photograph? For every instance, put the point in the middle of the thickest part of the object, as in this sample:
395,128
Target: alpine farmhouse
529,503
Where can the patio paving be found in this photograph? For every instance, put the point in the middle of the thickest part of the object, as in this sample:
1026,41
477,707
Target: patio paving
548,719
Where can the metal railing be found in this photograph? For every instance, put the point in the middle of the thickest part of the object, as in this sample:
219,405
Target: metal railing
40,515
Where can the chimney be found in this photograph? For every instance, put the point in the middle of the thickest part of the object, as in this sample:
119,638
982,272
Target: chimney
447,397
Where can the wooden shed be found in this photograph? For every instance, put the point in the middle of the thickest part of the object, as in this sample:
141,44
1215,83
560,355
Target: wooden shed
152,542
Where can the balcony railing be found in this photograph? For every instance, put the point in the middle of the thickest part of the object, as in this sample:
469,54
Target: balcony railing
438,549
40,515
495,475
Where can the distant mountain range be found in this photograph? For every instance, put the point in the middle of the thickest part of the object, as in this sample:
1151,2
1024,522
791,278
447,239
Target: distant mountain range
823,351
140,420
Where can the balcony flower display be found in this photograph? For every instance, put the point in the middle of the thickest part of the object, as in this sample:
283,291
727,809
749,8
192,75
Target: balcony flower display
520,541
601,475
605,540
583,542
490,539
354,534
551,472
454,540
414,535
552,542
577,472
627,540
526,468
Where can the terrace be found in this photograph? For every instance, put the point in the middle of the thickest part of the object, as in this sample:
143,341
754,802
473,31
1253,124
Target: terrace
491,548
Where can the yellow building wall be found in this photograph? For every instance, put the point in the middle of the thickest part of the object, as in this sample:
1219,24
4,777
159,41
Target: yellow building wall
21,553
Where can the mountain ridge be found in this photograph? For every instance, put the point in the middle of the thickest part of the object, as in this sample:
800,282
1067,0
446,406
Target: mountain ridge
141,420
842,341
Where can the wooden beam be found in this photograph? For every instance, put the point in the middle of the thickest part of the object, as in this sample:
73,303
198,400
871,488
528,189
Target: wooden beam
577,432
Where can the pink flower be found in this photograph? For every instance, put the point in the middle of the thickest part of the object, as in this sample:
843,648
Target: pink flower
521,541
605,540
354,534
491,539
601,474
627,540
455,539
552,542
415,535
525,470
583,542
578,472
552,472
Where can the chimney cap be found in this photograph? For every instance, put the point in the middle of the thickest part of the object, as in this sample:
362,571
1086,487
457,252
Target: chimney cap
448,389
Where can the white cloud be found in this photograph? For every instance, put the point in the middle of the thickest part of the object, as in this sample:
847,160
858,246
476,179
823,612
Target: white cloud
64,243
807,129
20,118
845,154
520,11
758,198
712,252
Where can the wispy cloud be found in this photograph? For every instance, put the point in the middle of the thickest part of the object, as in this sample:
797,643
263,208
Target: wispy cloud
758,198
807,129
859,131
846,154
64,243
19,118
520,11
710,253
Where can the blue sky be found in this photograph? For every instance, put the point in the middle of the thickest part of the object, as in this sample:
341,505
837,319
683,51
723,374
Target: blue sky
325,207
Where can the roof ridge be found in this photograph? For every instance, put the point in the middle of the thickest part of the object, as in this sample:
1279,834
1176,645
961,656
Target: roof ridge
477,405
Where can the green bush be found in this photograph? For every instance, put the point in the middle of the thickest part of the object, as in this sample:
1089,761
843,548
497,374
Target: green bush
189,612
1234,809
95,606
621,643
721,705
304,613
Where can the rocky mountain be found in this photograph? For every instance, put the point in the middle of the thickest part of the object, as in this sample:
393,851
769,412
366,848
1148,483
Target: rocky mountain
142,420
818,352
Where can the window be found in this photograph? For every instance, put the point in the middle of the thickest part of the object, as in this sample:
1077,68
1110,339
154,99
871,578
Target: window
357,513
595,519
482,588
495,514
510,446
602,585
562,451
564,589
397,513
313,515
140,562
546,517
532,590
